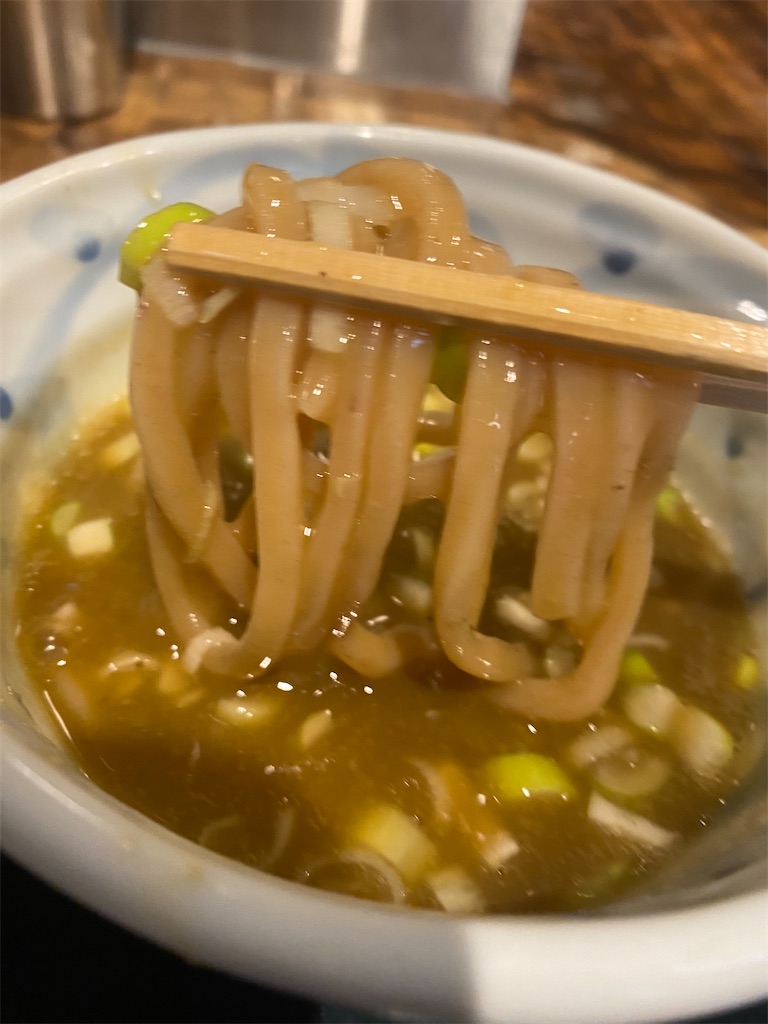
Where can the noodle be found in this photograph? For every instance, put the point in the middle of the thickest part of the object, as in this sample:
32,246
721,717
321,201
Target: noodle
401,387
466,547
173,476
329,404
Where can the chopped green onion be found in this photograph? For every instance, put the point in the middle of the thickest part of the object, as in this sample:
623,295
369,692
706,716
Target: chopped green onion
150,235
89,539
747,672
635,667
451,363
535,448
217,303
651,706
455,891
245,711
701,742
414,594
424,449
390,832
499,848
513,612
438,783
632,776
521,493
423,541
597,743
604,882
670,504
436,401
559,660
627,825
64,518
173,680
121,451
314,727
357,872
513,777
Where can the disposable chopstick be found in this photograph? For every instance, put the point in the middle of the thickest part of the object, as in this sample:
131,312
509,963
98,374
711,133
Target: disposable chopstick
532,313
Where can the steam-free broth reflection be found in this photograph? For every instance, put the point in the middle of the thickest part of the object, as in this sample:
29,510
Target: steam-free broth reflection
416,787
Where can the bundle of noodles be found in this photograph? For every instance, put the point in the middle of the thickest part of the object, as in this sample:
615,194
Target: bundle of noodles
328,403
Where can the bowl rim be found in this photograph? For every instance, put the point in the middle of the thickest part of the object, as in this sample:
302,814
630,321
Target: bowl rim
106,859
140,147
107,854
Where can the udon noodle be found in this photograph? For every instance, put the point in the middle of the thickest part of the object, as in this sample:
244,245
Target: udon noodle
328,404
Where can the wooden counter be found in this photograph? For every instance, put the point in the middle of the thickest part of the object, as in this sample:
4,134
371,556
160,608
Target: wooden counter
671,93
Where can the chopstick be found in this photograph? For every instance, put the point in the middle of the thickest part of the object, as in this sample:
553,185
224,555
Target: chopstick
735,353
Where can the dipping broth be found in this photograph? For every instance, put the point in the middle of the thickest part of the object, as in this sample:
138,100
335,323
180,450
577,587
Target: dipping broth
417,787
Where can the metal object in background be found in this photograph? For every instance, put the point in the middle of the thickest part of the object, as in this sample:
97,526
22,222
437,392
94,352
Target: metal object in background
462,45
61,59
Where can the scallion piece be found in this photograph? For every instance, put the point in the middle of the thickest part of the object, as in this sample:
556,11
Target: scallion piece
597,743
64,518
394,835
510,610
424,449
627,825
424,549
651,706
245,711
513,777
414,594
535,449
604,882
669,505
314,727
149,236
90,539
631,777
455,891
747,672
435,400
701,742
635,667
449,372
121,451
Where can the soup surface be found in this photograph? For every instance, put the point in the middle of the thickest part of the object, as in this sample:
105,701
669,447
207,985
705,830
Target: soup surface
417,787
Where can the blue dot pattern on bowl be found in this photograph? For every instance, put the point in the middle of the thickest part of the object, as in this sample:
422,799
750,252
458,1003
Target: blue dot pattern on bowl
6,405
619,261
734,446
620,235
88,250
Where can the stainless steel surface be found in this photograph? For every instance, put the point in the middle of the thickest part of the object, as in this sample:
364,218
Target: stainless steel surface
461,45
61,59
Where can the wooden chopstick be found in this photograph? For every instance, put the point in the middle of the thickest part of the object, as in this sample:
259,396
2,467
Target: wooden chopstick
535,313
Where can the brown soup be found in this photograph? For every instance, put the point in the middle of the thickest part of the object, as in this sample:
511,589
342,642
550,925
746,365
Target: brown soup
416,787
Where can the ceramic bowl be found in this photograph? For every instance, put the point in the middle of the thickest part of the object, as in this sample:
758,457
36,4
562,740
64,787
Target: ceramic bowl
694,945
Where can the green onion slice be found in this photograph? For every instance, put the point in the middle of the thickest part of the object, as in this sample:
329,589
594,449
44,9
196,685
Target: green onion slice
149,236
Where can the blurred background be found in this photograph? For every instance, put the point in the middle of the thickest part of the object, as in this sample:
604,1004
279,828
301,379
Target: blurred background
669,93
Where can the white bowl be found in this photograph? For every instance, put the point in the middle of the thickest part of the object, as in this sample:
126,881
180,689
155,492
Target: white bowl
699,944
